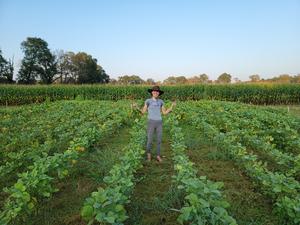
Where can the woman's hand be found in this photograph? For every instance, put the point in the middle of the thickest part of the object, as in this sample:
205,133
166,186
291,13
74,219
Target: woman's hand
167,111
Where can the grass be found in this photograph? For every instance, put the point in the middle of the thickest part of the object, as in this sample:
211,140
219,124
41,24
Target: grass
248,205
64,206
154,194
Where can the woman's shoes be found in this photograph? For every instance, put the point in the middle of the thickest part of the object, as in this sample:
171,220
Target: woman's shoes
158,159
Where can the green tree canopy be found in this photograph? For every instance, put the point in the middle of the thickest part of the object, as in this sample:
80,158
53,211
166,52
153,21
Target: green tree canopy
224,78
87,70
175,80
38,62
133,79
79,68
284,78
203,78
150,81
6,70
254,78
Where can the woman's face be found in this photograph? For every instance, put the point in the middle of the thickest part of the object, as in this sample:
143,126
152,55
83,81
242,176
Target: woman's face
155,94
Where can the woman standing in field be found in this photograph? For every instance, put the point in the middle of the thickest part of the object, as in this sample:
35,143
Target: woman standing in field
154,106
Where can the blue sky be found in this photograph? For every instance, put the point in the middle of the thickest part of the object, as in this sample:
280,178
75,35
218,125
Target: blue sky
156,39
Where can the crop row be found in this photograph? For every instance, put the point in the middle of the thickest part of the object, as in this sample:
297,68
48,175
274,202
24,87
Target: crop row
283,190
38,181
274,135
204,203
106,205
248,93
45,134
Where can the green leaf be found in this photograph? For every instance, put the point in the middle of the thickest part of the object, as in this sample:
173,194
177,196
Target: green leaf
87,212
20,186
185,214
30,205
110,219
119,208
46,194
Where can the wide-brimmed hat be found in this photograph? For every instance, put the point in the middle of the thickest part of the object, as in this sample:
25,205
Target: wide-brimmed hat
155,88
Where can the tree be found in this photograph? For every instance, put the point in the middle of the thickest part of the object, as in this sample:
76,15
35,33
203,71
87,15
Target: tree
79,68
27,74
193,80
181,80
175,80
170,80
133,79
284,78
224,78
296,79
67,67
150,81
64,67
103,75
237,80
254,78
38,62
113,81
87,70
203,78
6,70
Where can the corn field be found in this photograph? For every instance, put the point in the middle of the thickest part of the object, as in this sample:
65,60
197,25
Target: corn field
248,93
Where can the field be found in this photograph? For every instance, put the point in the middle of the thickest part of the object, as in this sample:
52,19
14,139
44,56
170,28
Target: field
83,162
252,93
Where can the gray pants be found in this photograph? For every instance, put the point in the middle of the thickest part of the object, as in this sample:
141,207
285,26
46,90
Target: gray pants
154,125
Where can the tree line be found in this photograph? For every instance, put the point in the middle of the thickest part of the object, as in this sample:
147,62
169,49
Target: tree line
40,65
224,78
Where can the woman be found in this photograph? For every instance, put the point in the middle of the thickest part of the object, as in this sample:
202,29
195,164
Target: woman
154,106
